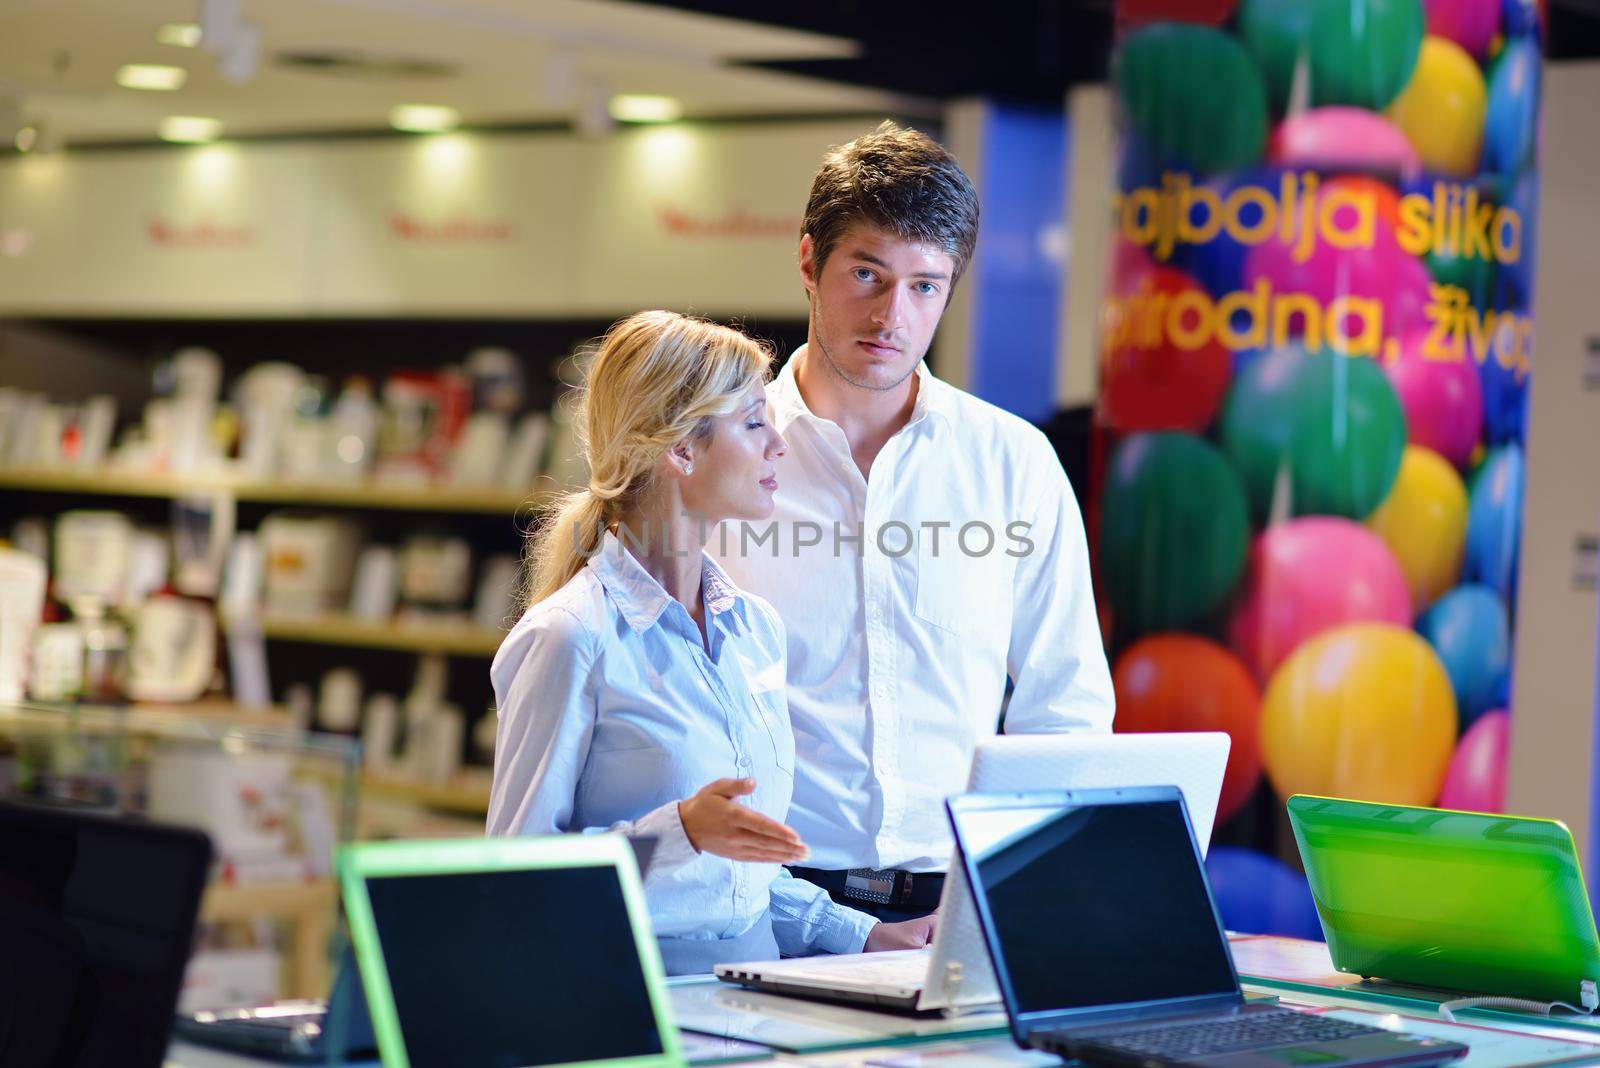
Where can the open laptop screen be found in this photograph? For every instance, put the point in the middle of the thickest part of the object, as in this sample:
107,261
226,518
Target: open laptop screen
1096,905
523,966
97,916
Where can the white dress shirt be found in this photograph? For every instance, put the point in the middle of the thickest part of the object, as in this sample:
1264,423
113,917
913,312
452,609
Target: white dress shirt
901,642
611,711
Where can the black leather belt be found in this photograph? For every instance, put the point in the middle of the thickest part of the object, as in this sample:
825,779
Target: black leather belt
878,886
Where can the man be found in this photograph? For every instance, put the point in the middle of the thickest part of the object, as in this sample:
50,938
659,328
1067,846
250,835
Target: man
927,545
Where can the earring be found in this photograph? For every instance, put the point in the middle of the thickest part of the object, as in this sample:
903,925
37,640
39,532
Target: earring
688,469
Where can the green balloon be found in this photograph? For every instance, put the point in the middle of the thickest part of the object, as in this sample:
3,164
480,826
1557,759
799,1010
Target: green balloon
1174,530
1358,52
1363,51
1473,274
1194,95
1275,32
1331,423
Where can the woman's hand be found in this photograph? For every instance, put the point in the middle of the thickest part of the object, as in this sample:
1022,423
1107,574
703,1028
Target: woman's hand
907,934
716,823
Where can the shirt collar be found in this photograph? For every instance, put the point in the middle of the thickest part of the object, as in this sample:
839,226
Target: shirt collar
641,599
934,395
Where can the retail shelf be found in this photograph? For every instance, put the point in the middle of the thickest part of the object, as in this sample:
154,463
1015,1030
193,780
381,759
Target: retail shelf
207,708
458,639
231,901
467,794
307,907
112,483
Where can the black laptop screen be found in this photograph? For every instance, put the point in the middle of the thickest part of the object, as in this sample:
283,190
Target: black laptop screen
96,920
513,967
1097,906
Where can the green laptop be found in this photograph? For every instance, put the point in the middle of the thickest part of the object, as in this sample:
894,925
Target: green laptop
525,951
1459,901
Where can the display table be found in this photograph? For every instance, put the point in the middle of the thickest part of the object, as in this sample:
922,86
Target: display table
728,1025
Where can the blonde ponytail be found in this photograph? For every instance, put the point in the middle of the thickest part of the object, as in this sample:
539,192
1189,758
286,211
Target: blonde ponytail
657,379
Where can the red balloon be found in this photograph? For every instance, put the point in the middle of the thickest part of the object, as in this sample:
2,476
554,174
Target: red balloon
1179,682
1131,13
1147,380
1129,265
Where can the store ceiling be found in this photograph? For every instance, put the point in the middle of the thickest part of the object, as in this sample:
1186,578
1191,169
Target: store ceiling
497,61
339,65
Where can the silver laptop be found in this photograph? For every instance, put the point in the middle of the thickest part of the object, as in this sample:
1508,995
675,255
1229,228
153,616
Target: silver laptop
954,973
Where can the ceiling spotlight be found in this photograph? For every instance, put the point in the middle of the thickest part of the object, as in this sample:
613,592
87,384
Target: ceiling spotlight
189,129
424,118
154,76
633,107
179,34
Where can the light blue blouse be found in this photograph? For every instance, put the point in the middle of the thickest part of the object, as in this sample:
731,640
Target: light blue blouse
611,711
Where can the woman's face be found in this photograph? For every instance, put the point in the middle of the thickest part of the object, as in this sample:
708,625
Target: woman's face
734,476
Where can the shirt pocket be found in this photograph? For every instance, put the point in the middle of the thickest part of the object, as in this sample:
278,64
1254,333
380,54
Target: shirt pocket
966,595
768,693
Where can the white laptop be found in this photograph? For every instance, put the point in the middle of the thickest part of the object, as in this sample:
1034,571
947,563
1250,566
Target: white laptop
954,973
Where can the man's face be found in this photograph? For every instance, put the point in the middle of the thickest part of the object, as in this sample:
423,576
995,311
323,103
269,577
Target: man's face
875,304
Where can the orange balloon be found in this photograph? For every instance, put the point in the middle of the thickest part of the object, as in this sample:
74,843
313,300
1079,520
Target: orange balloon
1364,711
1385,200
1178,682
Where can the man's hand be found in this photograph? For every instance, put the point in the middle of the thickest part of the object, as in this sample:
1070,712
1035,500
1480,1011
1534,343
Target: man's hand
716,823
907,934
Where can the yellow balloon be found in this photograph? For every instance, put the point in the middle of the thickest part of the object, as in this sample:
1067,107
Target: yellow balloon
1441,110
1424,522
1365,711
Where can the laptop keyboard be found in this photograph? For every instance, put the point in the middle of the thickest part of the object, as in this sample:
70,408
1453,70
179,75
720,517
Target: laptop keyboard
1280,1028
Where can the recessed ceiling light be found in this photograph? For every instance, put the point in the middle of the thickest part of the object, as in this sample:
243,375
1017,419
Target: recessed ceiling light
189,129
424,118
155,76
630,107
179,34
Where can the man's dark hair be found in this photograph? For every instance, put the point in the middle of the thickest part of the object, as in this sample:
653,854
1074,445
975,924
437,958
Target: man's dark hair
899,180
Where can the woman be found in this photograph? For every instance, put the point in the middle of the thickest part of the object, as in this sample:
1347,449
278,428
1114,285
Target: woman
642,691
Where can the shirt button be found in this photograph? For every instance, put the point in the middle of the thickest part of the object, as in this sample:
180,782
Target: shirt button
874,611
882,689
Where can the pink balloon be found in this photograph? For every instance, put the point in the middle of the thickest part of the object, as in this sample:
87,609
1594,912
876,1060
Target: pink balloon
1476,781
1443,400
1307,575
1386,273
1342,138
1469,23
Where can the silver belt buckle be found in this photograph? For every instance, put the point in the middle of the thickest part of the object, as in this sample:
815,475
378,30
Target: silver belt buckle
876,885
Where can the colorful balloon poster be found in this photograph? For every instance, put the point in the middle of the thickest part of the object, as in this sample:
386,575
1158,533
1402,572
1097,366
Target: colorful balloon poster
1316,340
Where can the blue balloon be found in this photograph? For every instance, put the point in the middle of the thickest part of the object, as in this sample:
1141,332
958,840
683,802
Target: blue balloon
1513,115
1218,264
1258,894
1516,291
1505,403
1521,16
1469,630
1494,521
